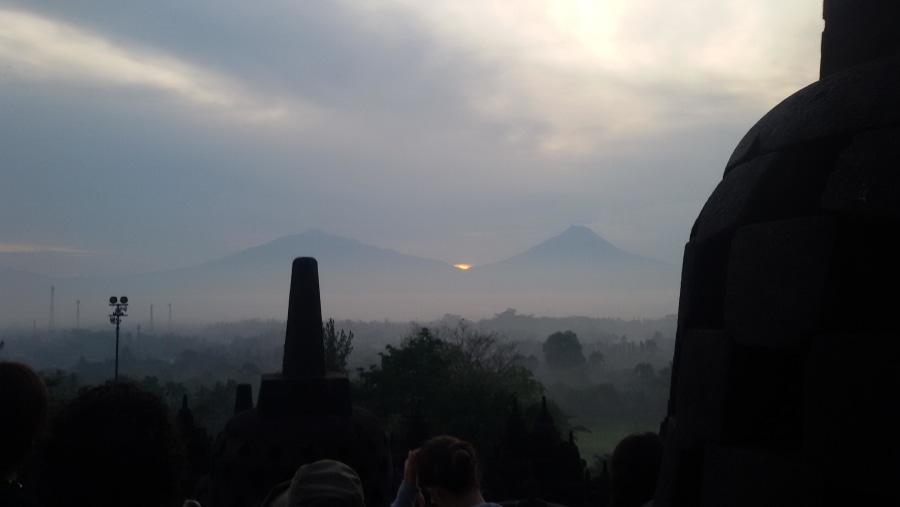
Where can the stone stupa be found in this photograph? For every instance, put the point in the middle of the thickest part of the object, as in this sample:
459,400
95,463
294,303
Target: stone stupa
302,414
784,383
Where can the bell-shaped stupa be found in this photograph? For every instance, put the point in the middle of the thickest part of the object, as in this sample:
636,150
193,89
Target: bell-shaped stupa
784,384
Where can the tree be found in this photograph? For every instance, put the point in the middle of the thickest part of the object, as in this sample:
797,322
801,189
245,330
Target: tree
213,406
481,351
597,359
645,374
151,384
464,380
338,347
562,351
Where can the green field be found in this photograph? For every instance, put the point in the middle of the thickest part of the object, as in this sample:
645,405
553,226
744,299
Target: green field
605,434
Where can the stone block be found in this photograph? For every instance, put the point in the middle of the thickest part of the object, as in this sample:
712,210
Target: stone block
865,274
784,184
857,32
681,472
851,414
776,278
764,390
701,387
867,180
741,477
327,396
727,206
843,104
703,283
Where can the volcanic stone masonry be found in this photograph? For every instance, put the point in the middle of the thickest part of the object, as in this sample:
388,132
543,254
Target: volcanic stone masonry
784,384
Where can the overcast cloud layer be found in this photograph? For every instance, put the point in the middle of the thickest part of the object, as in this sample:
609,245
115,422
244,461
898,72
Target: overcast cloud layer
142,136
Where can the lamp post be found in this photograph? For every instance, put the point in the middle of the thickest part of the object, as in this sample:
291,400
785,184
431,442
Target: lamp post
121,306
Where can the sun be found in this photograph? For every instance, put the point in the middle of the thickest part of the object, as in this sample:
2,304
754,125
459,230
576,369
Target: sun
463,267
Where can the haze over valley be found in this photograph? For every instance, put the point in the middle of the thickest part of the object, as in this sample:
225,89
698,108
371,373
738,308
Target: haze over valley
574,273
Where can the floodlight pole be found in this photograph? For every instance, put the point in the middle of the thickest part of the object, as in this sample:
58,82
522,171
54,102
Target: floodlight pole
121,306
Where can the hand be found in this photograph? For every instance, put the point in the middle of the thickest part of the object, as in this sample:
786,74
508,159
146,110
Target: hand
409,468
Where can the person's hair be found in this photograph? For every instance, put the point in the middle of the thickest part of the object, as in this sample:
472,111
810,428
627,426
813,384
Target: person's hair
634,469
448,463
23,403
113,445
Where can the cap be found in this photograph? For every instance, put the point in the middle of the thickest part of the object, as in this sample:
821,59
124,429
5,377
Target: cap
325,483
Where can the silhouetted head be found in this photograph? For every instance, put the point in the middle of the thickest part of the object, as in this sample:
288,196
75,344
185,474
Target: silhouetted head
23,405
324,483
114,445
634,469
447,466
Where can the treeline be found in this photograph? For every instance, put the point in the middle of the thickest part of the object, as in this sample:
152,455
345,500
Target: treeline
464,367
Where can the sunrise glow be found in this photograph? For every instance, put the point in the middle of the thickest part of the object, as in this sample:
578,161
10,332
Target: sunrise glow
462,266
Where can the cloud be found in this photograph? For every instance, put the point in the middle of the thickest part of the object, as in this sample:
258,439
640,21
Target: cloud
38,49
568,78
464,130
20,248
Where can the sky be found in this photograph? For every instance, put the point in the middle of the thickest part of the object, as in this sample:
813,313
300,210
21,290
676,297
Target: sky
138,136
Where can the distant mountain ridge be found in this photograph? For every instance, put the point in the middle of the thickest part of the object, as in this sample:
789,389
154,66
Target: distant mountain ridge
577,243
348,254
578,259
363,281
326,247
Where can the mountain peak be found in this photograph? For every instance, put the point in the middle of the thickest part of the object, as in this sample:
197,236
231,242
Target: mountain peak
578,231
577,243
327,249
577,257
581,237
